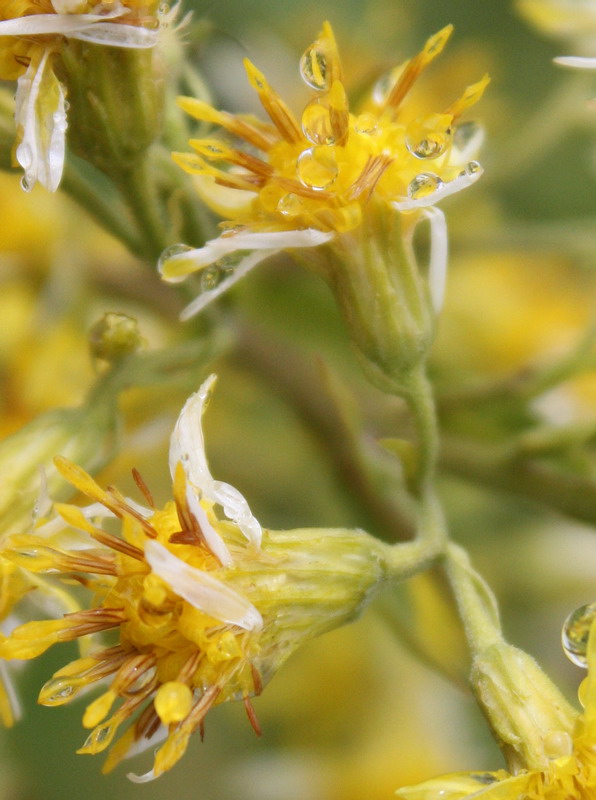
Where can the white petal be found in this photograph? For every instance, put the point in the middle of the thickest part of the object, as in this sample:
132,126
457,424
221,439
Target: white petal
47,24
107,33
576,61
13,700
201,590
187,446
240,270
465,179
184,263
40,115
212,538
146,777
43,504
437,268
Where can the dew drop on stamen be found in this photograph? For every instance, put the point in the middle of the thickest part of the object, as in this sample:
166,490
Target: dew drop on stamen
366,123
313,68
576,631
25,185
424,184
317,168
431,146
170,252
290,205
57,691
317,122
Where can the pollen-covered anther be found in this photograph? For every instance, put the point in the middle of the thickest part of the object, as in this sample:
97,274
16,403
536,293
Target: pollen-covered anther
373,171
279,113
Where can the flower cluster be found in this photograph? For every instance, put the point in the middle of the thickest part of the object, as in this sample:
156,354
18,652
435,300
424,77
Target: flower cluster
327,176
206,604
31,36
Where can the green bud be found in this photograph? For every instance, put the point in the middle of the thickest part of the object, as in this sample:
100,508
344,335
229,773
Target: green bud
526,711
114,336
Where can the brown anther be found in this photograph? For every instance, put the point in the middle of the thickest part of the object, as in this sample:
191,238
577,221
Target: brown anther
187,672
144,489
369,177
252,716
256,679
185,537
132,670
91,621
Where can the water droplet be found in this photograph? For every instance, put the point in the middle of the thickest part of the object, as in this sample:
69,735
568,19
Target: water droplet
24,155
56,692
313,68
576,631
163,9
465,134
25,185
366,123
290,205
210,278
557,744
424,184
430,146
169,252
321,124
317,167
472,168
383,86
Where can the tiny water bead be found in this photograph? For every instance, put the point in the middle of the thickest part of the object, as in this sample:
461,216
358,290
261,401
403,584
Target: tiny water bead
325,119
432,145
210,278
366,123
170,252
317,167
290,205
313,68
423,184
576,632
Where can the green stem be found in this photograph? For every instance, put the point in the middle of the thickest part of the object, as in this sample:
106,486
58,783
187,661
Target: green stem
138,189
475,600
417,392
110,217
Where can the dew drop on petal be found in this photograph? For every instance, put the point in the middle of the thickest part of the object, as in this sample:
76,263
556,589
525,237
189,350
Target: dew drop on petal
366,123
210,278
169,252
24,155
472,168
576,631
57,691
317,168
313,68
431,146
25,185
423,184
557,744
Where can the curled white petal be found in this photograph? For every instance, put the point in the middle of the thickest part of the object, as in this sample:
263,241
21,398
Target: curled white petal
467,178
577,62
187,445
201,590
177,267
213,540
439,247
48,24
40,116
108,33
146,777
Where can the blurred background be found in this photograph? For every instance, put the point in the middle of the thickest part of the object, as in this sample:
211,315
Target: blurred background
383,703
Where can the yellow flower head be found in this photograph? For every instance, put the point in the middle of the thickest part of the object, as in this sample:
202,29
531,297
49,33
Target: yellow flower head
31,33
568,771
306,181
206,605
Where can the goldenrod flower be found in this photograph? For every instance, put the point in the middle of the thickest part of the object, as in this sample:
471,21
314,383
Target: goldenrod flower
31,33
568,768
329,178
207,605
